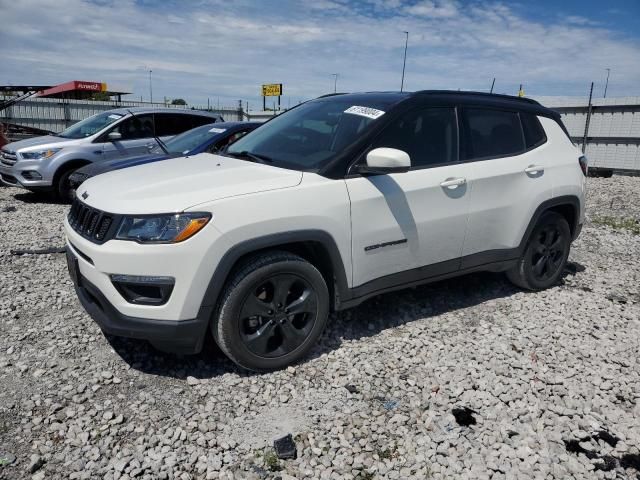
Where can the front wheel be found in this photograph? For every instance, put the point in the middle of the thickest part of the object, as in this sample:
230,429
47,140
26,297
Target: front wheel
63,190
545,255
272,311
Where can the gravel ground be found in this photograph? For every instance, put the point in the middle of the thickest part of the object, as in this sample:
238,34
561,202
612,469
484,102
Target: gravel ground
469,378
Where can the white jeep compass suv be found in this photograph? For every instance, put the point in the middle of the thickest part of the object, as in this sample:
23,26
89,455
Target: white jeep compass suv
334,201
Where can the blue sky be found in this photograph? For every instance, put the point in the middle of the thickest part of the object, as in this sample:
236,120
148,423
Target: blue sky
225,49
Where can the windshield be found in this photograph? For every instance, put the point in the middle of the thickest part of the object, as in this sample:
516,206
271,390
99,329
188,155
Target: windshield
91,125
187,141
309,136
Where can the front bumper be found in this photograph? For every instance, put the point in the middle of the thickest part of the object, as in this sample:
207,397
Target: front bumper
180,324
182,336
12,175
7,177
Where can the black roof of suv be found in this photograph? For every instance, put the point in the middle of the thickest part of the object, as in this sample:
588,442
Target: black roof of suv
397,103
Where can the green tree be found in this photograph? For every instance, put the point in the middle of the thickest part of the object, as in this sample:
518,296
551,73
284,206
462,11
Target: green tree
100,96
178,101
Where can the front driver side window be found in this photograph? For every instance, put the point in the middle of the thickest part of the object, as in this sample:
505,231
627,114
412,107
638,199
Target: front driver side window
428,135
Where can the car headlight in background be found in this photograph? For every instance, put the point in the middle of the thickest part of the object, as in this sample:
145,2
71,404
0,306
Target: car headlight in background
40,154
170,228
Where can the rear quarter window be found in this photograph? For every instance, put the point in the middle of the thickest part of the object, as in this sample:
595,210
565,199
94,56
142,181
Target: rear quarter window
197,120
534,135
491,133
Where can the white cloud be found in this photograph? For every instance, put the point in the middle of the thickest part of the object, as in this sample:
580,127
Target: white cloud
433,9
225,49
578,20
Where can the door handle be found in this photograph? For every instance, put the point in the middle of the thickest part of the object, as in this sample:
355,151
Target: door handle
452,183
150,146
534,169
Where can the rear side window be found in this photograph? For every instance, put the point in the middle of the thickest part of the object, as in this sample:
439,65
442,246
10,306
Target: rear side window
534,135
491,133
429,136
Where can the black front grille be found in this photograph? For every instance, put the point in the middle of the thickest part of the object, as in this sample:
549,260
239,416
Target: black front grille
91,223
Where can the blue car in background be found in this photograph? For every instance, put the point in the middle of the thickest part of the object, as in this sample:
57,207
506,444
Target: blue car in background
210,138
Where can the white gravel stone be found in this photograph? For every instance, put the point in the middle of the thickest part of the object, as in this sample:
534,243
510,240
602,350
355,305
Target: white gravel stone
544,371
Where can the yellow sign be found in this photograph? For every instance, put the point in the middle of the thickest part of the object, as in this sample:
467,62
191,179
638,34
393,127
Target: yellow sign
272,90
521,92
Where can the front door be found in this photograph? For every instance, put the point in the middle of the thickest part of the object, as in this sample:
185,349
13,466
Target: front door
406,221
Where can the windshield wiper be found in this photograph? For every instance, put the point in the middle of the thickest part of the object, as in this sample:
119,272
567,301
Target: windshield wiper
256,157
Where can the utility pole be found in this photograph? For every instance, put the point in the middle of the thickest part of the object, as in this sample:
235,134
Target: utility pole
404,62
492,84
607,83
335,82
150,87
588,121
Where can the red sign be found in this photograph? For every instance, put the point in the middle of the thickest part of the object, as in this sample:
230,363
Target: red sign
89,86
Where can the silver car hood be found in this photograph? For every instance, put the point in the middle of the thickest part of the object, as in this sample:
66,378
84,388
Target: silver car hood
35,142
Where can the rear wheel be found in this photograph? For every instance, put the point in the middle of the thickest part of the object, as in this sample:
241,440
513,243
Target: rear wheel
272,311
545,255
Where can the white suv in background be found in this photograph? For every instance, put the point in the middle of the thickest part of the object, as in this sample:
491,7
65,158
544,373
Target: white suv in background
336,200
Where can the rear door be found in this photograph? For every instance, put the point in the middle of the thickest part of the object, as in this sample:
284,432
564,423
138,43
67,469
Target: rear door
509,169
404,221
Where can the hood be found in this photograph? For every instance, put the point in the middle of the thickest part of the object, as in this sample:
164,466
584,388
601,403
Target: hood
176,184
103,166
34,142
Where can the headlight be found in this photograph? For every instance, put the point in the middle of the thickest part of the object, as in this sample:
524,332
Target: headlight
40,154
172,228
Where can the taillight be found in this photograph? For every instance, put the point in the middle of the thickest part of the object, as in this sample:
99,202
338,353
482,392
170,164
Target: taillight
584,165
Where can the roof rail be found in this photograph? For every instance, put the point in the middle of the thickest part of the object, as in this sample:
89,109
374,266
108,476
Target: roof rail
331,94
482,94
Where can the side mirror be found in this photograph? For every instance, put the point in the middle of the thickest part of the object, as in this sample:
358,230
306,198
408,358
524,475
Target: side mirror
385,160
113,136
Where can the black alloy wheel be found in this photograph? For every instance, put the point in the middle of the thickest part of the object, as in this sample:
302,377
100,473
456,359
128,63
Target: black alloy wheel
272,311
278,316
548,252
545,254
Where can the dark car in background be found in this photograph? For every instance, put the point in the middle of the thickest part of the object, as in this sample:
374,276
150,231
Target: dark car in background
206,138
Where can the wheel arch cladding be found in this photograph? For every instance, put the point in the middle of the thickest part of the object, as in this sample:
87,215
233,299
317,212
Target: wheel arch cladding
316,246
69,165
568,206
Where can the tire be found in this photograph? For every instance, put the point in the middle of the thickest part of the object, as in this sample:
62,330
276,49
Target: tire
62,189
255,326
545,256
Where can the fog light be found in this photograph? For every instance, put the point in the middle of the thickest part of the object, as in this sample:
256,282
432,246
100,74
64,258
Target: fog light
143,289
31,175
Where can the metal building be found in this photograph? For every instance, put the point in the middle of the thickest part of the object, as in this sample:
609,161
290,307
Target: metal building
612,134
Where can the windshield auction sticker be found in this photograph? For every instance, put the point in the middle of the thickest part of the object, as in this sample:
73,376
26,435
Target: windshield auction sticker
365,112
217,130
